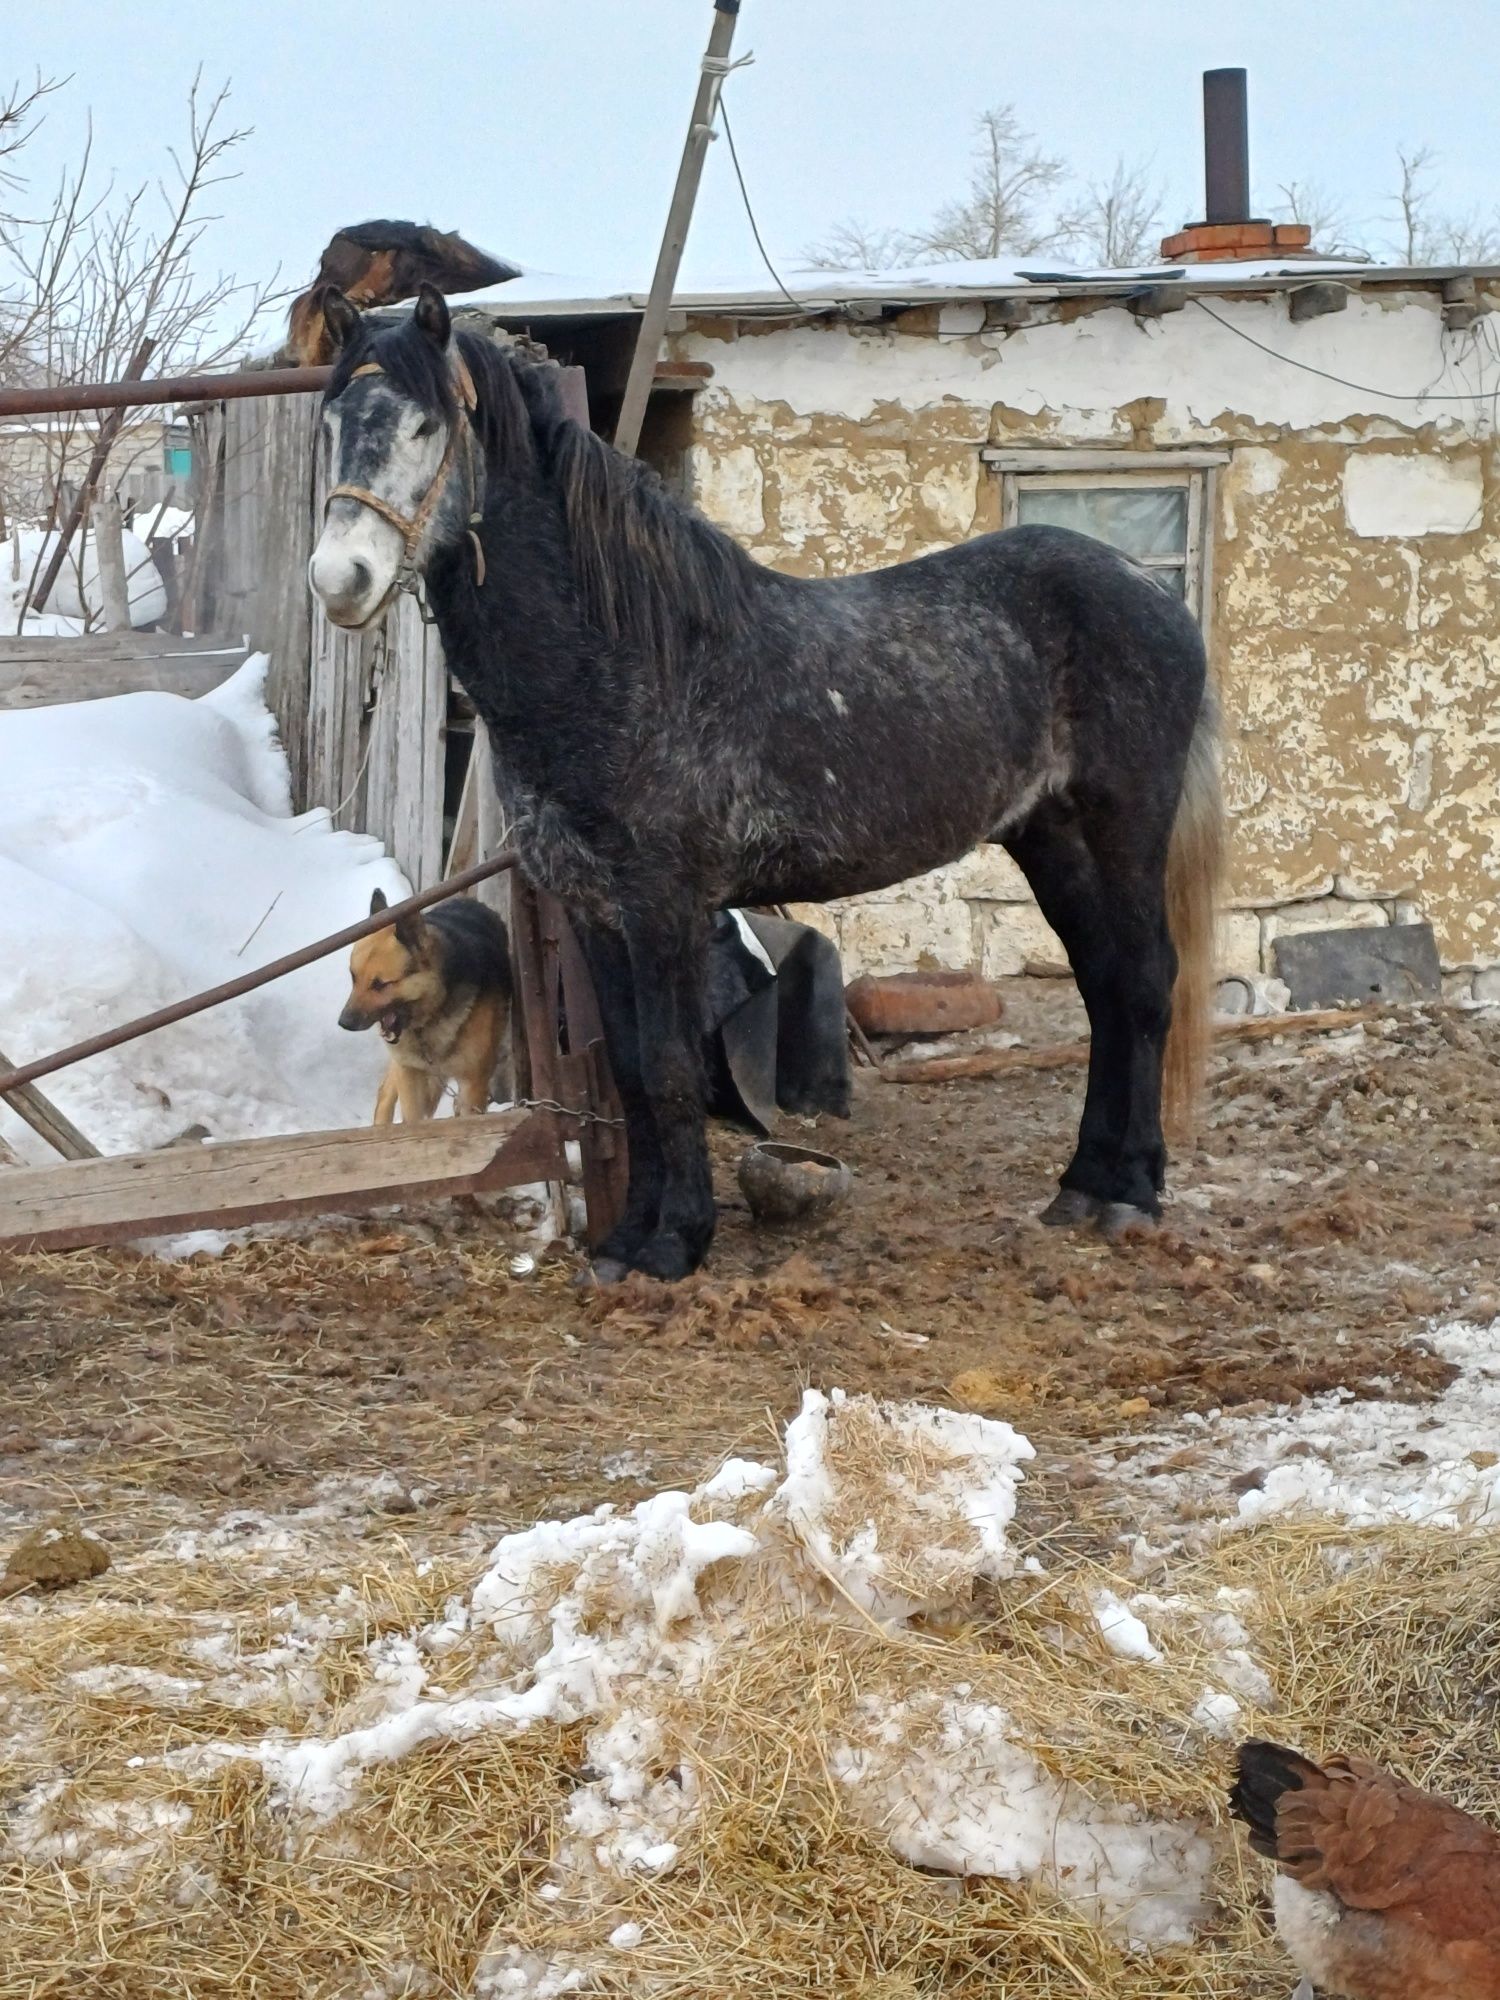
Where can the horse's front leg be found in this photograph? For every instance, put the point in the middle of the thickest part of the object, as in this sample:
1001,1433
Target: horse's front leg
667,963
614,987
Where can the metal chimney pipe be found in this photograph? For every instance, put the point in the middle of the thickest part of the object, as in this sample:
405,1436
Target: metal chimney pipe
1226,146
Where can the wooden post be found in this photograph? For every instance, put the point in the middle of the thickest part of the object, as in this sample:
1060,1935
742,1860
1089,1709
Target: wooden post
679,217
109,555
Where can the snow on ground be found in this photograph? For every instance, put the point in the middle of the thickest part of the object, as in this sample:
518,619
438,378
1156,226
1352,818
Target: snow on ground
650,1627
1431,1464
614,1618
148,850
76,591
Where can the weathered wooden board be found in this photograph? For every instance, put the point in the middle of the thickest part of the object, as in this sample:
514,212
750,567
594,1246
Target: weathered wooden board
261,1180
35,672
281,623
403,793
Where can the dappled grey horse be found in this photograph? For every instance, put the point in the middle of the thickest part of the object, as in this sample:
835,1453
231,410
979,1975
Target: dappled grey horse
677,728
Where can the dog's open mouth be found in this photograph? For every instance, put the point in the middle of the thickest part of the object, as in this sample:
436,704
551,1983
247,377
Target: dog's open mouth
392,1022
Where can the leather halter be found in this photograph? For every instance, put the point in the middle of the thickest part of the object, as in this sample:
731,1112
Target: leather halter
412,527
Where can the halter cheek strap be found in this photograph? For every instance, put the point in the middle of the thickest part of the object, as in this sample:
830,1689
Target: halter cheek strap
412,527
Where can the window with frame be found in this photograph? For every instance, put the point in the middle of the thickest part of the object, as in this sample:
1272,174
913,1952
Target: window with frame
1155,508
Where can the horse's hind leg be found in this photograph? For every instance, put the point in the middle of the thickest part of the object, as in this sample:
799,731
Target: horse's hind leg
1099,876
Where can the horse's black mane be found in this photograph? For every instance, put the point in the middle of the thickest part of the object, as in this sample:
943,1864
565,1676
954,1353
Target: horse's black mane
651,574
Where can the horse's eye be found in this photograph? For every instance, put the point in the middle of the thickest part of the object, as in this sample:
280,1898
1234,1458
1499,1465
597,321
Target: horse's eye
427,426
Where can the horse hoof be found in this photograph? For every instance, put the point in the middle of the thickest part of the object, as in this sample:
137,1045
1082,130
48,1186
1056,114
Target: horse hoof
1120,1221
603,1271
665,1256
1071,1209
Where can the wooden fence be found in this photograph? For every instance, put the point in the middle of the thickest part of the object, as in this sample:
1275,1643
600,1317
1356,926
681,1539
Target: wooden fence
37,671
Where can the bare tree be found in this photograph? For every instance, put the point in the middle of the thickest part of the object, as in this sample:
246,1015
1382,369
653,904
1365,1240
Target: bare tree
1413,204
101,276
1118,222
1425,234
854,246
1003,210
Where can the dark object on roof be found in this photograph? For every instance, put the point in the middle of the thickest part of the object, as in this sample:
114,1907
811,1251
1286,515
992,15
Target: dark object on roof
380,264
1358,967
1093,277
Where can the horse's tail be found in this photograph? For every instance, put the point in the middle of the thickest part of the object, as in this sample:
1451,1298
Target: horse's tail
1195,863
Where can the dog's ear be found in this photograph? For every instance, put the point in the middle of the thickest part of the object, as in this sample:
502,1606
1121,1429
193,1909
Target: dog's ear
409,933
378,903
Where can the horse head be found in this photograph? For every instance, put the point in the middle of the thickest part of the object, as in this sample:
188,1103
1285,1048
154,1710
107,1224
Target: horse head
406,473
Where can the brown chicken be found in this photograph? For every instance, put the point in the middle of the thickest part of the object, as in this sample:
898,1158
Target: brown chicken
1383,1892
380,264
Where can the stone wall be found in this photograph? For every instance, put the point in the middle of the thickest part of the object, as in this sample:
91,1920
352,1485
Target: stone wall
1354,613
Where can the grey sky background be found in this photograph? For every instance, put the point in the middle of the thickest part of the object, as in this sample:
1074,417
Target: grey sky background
550,134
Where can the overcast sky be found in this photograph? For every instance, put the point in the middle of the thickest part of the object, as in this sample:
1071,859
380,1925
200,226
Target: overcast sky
550,133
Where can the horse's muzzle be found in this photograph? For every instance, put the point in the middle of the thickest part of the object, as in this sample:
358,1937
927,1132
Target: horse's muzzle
346,586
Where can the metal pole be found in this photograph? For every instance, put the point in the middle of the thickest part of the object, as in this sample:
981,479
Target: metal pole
129,1031
1226,147
131,394
679,216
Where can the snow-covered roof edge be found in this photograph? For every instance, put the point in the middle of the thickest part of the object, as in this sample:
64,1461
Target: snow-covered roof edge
555,295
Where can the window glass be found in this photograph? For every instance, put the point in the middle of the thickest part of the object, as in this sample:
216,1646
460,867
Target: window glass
1147,522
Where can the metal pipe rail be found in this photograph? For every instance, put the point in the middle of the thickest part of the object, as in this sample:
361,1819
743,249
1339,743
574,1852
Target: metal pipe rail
231,989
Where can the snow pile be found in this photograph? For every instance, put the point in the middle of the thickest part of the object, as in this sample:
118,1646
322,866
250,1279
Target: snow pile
631,1620
1366,1464
942,1779
76,598
147,851
900,1521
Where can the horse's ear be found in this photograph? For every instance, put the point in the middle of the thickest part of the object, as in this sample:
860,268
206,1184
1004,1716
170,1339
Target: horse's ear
432,315
339,317
377,902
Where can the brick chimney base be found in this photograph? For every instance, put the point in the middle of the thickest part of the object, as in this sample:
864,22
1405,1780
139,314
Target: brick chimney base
1237,242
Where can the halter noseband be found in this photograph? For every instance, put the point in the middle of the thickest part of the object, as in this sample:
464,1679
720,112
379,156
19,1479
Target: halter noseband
413,527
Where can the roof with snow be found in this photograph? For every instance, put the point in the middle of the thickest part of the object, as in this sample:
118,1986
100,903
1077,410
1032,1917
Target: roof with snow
538,294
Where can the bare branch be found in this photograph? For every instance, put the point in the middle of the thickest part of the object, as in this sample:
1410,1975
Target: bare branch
1116,223
1007,184
852,246
1310,204
1426,234
103,274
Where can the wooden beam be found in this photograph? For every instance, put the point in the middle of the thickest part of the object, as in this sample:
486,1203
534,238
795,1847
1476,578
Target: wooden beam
711,73
1313,301
1071,1055
464,846
263,1180
44,1118
37,672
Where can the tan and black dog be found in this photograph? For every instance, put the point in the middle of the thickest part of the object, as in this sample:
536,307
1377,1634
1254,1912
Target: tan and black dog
439,987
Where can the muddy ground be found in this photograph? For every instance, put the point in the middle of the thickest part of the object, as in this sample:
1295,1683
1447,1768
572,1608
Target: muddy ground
1343,1189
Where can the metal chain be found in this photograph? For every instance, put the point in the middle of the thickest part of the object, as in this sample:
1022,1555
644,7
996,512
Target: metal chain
566,1110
